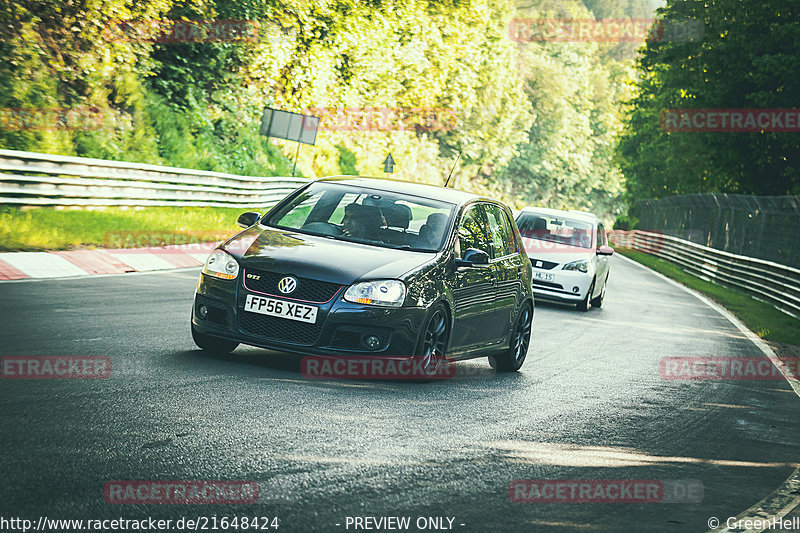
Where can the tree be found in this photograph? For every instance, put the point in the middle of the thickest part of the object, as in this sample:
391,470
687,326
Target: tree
748,57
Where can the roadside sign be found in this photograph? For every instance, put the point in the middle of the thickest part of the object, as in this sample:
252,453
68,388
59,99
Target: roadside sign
388,164
290,126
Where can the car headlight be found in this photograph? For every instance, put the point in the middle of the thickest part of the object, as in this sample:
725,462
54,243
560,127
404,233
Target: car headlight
387,292
221,265
581,264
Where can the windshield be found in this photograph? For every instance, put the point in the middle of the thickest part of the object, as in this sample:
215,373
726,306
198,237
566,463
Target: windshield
367,216
546,228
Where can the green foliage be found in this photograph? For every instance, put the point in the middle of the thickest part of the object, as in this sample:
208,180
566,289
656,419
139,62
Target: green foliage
574,89
347,160
625,222
534,122
748,58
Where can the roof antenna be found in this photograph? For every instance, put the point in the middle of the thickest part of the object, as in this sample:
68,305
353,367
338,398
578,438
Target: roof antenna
452,169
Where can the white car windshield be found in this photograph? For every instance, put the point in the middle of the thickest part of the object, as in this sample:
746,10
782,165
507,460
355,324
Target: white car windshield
556,229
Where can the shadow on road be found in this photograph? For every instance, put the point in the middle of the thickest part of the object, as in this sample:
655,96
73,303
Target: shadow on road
247,358
254,357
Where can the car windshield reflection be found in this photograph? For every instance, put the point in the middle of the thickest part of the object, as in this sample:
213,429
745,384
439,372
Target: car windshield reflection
367,216
560,230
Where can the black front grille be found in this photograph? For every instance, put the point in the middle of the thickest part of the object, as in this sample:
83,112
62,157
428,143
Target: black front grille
546,265
279,329
548,284
309,290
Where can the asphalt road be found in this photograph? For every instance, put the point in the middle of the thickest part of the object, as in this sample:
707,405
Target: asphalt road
589,404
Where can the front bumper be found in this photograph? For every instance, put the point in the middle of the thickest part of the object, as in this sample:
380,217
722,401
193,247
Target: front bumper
341,327
565,286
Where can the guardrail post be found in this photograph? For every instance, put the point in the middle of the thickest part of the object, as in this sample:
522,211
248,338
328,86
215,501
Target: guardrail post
762,215
796,233
713,233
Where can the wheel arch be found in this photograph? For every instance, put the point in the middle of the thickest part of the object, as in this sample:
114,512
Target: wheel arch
448,309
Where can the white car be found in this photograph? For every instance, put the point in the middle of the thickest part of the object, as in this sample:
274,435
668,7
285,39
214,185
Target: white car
569,253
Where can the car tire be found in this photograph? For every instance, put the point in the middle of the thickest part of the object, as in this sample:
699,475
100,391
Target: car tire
213,344
511,360
598,302
586,303
432,345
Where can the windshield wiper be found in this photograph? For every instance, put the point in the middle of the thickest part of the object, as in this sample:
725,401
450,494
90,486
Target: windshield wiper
406,247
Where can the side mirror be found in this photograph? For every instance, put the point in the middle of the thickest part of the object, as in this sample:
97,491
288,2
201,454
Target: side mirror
605,250
473,257
248,219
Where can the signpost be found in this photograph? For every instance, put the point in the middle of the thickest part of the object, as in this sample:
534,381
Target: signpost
388,164
291,127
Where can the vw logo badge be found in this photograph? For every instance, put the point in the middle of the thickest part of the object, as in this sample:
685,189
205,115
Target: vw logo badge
287,285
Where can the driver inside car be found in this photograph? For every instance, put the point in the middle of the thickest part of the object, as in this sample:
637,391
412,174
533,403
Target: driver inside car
361,221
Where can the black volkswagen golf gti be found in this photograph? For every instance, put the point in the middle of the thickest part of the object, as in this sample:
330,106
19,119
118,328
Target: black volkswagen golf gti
366,266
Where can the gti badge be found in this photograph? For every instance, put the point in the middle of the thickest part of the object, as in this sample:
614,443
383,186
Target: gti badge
253,276
287,285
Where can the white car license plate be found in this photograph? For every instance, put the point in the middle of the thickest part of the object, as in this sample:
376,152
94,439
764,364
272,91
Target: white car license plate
280,308
543,276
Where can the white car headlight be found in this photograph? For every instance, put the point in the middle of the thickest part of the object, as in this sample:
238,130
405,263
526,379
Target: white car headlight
221,265
581,265
387,292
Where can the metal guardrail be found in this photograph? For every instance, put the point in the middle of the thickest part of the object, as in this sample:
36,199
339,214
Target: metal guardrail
757,226
771,282
29,178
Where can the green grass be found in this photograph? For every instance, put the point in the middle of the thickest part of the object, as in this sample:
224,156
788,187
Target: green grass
761,318
51,229
296,218
48,228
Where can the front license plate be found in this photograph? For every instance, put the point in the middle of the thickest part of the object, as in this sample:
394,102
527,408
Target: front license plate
543,276
280,308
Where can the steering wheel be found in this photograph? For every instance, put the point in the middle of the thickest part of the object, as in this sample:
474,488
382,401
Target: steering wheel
323,228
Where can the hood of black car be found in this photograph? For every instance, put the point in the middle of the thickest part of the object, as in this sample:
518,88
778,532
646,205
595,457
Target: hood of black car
320,258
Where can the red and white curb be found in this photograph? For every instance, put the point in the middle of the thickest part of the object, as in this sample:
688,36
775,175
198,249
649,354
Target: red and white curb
23,265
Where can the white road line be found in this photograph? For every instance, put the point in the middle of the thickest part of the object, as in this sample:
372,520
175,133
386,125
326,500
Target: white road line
42,264
143,262
201,257
187,271
783,500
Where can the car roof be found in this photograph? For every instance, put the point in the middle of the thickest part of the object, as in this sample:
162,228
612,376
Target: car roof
577,215
423,190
